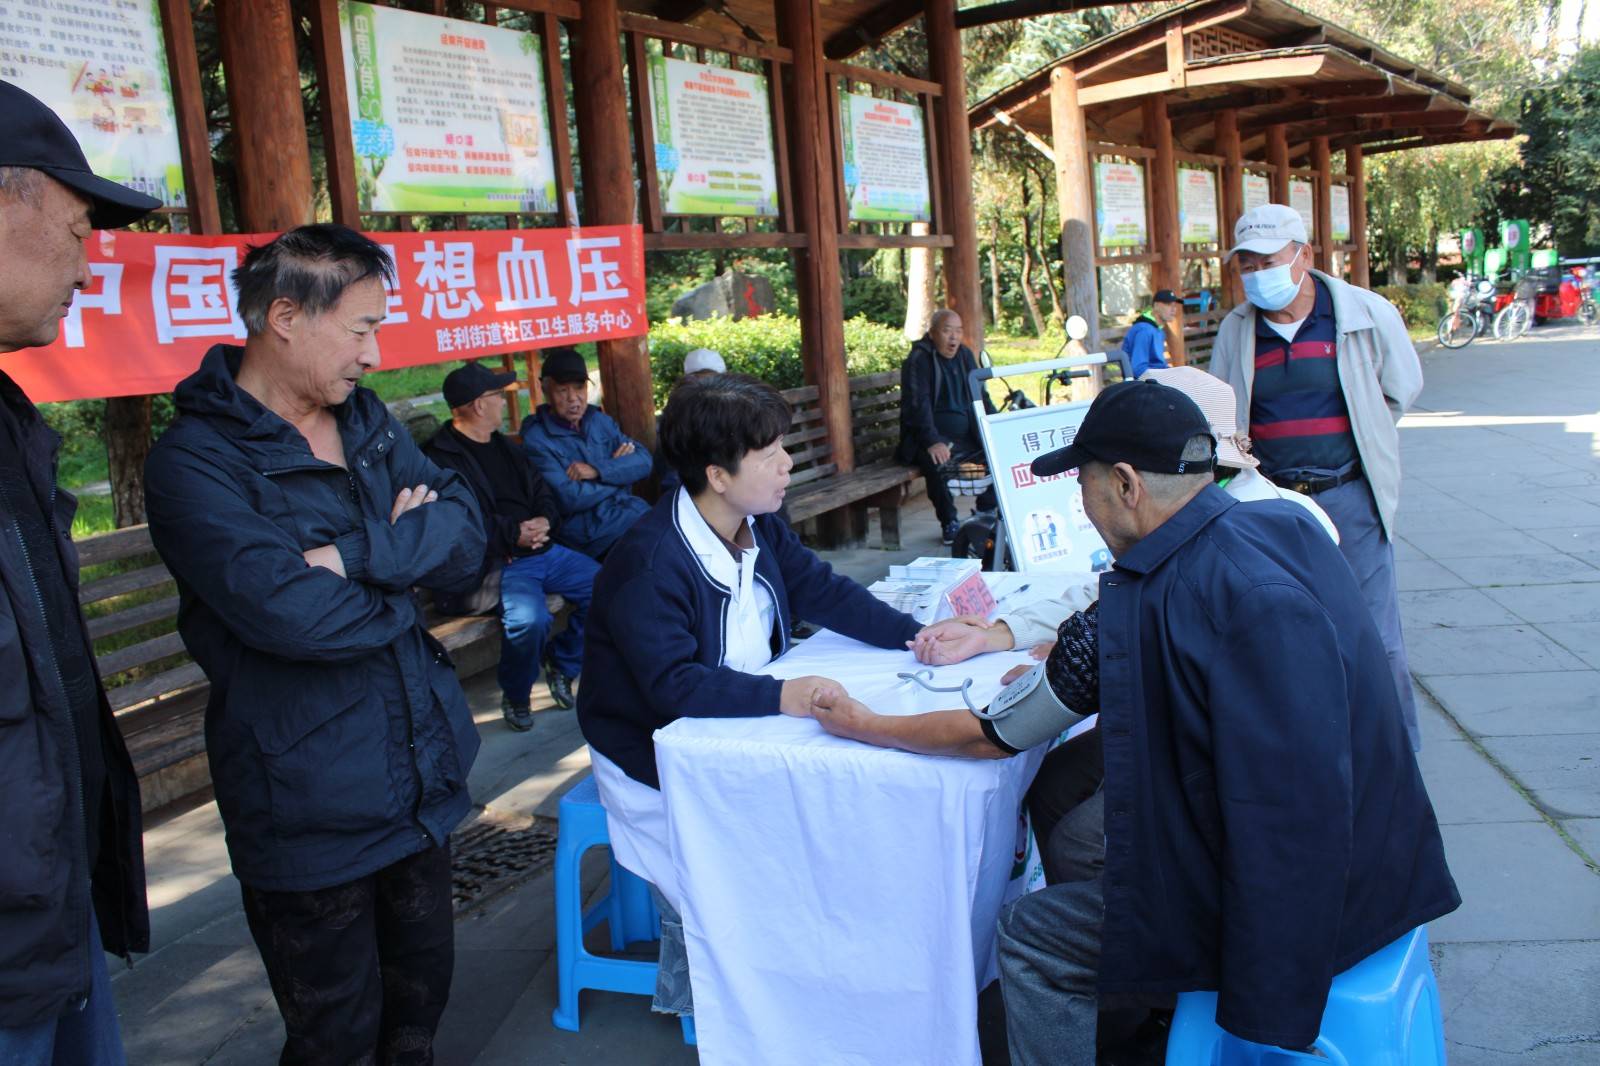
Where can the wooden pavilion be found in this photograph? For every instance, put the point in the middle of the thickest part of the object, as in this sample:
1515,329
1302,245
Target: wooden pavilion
1237,88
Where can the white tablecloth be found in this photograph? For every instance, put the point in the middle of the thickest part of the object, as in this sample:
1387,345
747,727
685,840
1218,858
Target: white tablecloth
839,900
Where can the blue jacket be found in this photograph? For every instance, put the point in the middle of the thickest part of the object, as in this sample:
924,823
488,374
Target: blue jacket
1266,823
1145,345
593,513
338,735
653,648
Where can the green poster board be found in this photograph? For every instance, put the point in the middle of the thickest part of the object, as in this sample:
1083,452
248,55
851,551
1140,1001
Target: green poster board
1472,249
713,139
885,160
1515,237
446,115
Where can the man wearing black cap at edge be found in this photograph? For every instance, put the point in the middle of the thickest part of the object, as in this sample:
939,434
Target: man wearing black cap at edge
1145,343
520,518
71,857
1265,828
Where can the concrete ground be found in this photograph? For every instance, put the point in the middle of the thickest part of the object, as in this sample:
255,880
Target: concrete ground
1499,554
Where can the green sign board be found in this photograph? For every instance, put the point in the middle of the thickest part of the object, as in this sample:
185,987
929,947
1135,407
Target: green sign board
1472,249
1515,237
713,139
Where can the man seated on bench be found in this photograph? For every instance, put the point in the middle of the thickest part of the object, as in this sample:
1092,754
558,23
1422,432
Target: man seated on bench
1265,824
520,516
936,420
695,598
585,457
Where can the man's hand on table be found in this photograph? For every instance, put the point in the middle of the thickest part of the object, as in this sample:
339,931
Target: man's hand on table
1042,650
842,714
957,639
801,693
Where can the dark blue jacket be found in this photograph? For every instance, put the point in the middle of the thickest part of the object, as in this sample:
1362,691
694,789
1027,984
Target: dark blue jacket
1145,345
593,513
1266,824
338,735
653,648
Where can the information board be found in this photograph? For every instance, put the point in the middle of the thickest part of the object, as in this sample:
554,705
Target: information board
445,115
1339,213
1302,199
1119,205
885,160
1257,191
1197,206
1046,526
713,139
102,68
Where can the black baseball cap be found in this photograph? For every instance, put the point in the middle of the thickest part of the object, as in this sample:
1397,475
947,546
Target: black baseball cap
1166,296
466,383
564,364
1136,422
31,135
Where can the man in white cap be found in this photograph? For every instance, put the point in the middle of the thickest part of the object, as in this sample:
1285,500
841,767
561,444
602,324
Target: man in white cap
703,362
1323,370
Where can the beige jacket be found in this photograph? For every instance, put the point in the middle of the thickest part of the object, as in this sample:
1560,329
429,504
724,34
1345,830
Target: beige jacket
1378,370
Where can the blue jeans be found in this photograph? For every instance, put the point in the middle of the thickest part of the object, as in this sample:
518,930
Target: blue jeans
80,1037
525,621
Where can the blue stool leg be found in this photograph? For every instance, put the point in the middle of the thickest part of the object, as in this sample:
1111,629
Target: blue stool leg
639,920
687,1021
617,907
569,928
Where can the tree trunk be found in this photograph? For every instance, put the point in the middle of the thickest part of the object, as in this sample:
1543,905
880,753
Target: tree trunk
919,286
1028,296
1057,314
1398,272
1430,259
994,270
127,434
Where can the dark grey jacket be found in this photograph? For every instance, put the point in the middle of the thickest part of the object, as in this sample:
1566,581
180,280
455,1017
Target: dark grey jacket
338,735
45,883
920,382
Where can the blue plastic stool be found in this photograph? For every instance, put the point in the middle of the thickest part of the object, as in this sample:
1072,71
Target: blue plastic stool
627,910
1383,1011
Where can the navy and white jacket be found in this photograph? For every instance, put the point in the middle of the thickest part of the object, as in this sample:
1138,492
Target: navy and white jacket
655,643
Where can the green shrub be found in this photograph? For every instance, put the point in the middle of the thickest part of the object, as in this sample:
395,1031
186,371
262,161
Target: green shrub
875,299
767,347
1420,305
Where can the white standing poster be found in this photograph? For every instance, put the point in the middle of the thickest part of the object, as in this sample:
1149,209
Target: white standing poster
1197,206
1257,191
445,115
1045,521
885,160
1303,201
102,68
713,139
1119,205
1339,208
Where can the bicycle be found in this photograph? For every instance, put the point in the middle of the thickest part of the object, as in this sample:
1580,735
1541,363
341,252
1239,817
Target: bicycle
1470,315
1513,320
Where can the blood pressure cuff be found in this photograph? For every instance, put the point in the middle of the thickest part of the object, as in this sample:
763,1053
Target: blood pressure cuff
1042,703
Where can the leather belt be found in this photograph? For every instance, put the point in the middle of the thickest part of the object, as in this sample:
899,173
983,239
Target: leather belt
1312,486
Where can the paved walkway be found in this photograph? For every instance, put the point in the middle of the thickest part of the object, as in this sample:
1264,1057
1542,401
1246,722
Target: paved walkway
1500,567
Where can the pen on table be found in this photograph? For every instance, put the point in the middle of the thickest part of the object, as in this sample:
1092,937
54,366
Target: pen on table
1020,588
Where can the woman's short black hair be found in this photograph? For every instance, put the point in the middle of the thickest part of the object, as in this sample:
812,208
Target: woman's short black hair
716,421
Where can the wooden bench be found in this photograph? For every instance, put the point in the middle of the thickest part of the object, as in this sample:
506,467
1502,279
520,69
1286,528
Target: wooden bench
156,690
839,503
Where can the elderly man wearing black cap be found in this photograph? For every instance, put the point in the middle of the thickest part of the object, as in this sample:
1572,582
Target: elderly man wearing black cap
520,518
585,457
1145,343
1265,827
73,871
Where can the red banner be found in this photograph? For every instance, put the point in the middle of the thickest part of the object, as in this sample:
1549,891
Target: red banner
158,301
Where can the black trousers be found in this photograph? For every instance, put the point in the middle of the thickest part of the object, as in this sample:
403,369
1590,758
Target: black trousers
944,505
361,971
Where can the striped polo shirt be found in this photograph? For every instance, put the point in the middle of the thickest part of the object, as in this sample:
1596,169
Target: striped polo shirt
1298,417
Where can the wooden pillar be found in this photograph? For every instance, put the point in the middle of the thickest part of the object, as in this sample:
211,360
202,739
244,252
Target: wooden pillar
271,156
601,102
1232,196
1323,257
1070,142
1355,166
963,286
817,275
1163,178
1278,157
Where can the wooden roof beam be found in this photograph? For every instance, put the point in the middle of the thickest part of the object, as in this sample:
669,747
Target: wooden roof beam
873,27
1436,139
1017,9
1403,103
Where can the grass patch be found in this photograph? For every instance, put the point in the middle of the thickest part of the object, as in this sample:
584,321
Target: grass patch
94,515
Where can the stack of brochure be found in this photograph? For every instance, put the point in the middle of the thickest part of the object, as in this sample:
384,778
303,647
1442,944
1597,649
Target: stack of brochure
918,588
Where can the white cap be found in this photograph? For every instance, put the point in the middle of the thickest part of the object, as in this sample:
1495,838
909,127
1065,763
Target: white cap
1266,229
703,359
1218,402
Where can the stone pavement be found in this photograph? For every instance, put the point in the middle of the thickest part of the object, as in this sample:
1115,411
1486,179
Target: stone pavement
1500,570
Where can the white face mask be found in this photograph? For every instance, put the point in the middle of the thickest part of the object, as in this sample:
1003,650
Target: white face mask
1272,288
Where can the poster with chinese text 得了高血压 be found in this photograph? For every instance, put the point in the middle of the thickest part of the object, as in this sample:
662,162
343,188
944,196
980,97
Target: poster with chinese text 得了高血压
713,140
885,160
102,68
446,116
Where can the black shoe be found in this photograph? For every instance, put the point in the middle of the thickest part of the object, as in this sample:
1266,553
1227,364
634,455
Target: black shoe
519,718
559,684
948,535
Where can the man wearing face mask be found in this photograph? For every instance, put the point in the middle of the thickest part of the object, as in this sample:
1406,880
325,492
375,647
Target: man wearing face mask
1323,371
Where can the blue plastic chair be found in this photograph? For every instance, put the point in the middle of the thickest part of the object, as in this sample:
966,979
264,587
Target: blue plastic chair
627,909
1383,1011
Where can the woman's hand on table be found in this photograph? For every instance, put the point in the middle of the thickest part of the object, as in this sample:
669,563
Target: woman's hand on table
800,693
958,639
